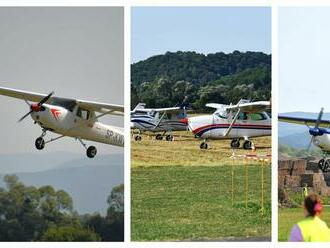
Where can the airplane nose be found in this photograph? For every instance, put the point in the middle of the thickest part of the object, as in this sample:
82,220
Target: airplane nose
184,121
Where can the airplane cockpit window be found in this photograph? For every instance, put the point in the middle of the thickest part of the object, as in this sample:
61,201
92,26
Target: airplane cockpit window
68,104
257,116
222,115
242,116
82,113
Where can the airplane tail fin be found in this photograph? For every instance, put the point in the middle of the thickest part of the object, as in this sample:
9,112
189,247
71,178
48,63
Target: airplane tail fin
183,110
139,106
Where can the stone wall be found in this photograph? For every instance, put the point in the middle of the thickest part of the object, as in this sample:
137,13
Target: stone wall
297,173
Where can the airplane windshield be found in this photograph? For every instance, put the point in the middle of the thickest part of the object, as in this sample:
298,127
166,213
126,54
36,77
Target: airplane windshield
222,115
257,116
68,104
242,116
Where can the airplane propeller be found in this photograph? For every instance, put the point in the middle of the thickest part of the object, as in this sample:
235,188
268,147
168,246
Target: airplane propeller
315,131
36,107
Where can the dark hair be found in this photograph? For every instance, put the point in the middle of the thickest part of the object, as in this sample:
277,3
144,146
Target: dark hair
312,204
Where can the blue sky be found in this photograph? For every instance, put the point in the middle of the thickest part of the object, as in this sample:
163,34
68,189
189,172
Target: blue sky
156,30
304,59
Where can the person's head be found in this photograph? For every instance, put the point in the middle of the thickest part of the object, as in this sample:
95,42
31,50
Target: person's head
312,205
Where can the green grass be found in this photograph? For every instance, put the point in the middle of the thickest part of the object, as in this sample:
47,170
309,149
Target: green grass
288,217
195,202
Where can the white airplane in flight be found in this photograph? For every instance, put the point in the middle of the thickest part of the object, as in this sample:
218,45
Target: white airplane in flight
158,120
320,135
70,117
236,122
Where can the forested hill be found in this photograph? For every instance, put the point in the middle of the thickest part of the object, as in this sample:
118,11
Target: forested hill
165,80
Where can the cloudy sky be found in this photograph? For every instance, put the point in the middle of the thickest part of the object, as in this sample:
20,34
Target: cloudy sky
77,52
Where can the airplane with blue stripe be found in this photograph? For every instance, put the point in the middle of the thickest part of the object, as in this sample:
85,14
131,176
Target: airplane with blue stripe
165,120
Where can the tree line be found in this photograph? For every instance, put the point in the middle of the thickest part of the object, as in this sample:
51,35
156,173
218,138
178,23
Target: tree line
196,79
29,213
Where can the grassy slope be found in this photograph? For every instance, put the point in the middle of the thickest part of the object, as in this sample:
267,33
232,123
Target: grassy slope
181,193
287,217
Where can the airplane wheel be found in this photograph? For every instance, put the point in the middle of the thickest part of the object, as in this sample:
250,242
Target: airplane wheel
159,137
169,137
91,152
247,145
235,143
326,166
138,138
203,145
321,164
40,143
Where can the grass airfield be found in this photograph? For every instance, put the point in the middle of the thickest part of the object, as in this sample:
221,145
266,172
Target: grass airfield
185,151
180,192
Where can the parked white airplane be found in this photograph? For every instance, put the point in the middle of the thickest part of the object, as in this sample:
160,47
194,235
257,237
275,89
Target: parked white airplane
70,117
241,121
320,135
158,120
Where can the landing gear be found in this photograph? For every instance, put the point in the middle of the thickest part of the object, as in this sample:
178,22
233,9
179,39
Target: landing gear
247,145
138,138
203,145
235,143
159,137
169,137
91,151
40,143
324,165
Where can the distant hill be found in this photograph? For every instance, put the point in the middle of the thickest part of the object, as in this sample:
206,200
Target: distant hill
89,182
166,80
296,140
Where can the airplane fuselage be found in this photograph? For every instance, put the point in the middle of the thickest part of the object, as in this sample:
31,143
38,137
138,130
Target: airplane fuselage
215,127
64,122
152,124
323,142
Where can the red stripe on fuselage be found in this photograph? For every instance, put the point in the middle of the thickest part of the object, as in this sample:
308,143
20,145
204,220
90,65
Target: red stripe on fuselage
197,130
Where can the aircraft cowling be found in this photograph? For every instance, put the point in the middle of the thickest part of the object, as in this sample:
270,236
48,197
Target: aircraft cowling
54,117
196,124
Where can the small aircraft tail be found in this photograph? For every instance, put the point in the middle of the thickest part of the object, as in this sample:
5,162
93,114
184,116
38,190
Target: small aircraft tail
183,110
139,106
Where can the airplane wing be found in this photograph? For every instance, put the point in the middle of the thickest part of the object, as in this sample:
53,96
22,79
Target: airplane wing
167,110
36,97
250,107
21,94
216,105
105,108
303,121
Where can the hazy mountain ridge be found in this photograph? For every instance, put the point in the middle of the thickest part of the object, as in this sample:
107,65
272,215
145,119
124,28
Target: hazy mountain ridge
89,182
